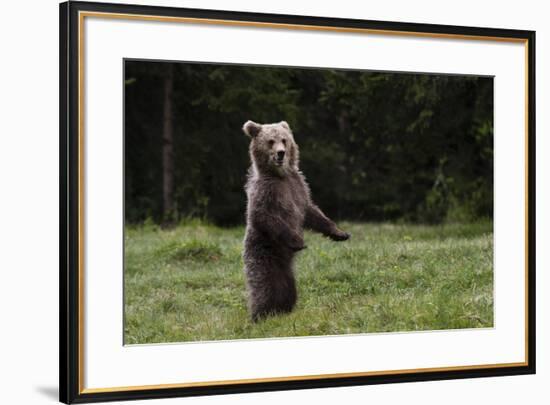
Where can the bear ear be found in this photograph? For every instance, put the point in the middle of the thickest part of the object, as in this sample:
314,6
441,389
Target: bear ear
252,129
285,125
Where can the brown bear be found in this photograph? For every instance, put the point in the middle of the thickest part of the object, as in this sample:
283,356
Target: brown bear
279,207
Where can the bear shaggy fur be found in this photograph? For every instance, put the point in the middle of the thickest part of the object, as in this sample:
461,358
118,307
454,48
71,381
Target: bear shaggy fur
279,207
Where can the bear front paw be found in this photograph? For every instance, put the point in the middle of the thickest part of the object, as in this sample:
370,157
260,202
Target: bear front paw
297,248
339,236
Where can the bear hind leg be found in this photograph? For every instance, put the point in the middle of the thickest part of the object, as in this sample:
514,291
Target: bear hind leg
277,296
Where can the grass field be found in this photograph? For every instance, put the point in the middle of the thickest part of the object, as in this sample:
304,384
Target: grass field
187,283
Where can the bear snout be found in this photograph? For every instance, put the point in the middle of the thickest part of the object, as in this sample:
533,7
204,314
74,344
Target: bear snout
280,155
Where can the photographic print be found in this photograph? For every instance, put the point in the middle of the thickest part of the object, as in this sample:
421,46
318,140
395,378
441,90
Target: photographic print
272,201
255,202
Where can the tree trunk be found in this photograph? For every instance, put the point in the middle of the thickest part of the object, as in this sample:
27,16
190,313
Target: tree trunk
168,150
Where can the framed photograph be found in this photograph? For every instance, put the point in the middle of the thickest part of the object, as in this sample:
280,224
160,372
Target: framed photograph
255,202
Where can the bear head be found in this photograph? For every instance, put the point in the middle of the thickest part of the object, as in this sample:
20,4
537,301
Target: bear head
272,148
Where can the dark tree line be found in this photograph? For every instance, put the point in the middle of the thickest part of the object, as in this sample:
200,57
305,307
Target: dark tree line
374,146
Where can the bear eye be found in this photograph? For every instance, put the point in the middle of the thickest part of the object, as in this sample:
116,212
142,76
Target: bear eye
271,142
284,142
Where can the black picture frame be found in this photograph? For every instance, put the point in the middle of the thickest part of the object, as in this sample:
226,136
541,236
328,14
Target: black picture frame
70,312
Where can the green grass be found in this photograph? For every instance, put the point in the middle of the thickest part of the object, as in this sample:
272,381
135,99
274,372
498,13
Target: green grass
187,283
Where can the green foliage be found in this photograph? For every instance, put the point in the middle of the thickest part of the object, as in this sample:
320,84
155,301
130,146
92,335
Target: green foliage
374,146
187,283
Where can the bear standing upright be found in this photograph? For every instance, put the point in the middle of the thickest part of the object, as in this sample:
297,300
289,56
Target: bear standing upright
279,207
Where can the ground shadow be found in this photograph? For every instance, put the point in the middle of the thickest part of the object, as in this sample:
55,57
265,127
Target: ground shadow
49,392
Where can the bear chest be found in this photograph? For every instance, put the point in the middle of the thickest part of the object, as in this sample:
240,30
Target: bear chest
291,197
